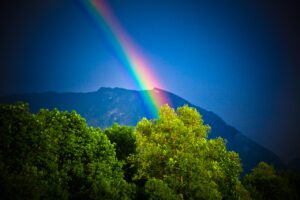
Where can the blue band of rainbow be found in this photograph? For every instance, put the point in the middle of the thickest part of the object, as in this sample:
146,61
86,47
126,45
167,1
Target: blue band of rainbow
135,63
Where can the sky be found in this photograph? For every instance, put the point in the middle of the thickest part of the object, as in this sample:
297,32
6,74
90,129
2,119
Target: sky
239,59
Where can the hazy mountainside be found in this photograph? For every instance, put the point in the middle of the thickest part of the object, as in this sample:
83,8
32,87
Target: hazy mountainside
108,105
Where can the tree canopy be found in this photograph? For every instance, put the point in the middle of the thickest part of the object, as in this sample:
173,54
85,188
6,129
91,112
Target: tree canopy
56,155
175,149
265,183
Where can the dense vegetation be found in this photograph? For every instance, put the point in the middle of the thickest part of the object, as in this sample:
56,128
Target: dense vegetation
55,155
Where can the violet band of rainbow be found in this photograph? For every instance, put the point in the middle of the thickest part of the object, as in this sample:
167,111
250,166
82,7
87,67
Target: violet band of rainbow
136,65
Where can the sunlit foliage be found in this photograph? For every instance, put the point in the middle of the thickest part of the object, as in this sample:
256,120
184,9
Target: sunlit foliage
56,155
175,150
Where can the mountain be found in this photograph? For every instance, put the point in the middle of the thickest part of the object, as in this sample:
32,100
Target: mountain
108,105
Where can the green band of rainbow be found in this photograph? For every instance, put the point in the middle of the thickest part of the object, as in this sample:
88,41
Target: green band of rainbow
137,66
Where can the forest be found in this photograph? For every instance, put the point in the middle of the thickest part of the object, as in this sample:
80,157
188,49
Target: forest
54,154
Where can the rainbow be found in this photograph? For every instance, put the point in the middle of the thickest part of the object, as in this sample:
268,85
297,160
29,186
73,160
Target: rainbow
137,66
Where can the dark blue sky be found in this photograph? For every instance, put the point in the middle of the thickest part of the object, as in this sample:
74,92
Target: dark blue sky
239,59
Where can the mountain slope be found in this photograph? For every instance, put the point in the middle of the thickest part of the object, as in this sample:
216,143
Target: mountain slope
108,105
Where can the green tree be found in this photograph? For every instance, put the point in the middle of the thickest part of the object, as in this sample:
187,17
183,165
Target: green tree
265,183
156,189
18,177
293,179
175,150
55,155
124,139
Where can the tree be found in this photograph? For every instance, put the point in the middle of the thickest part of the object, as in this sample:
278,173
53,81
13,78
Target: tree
175,150
18,178
55,155
124,138
265,183
157,189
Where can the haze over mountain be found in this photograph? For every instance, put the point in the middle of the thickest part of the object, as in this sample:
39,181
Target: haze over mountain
109,105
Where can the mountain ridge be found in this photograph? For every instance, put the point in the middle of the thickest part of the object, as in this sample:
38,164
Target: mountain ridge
109,105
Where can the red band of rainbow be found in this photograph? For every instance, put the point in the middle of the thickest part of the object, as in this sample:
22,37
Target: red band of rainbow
135,63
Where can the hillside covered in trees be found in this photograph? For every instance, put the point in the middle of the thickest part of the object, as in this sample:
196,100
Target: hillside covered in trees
56,155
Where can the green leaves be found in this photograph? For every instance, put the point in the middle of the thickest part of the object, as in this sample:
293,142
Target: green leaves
157,189
265,183
174,149
55,154
124,139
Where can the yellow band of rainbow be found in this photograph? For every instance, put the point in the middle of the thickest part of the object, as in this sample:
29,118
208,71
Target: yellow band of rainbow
132,58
